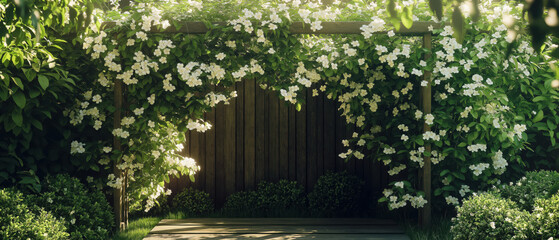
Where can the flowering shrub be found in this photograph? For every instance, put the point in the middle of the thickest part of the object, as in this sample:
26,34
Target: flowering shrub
482,96
336,194
488,216
546,218
86,213
535,185
20,221
193,202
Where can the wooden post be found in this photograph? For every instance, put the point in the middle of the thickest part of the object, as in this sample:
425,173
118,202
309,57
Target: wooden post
425,212
118,193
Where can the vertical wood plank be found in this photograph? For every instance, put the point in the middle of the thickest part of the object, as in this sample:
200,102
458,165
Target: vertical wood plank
201,176
292,142
330,155
273,136
239,138
261,135
320,134
220,122
229,148
249,134
283,140
311,139
340,135
350,165
302,143
194,154
210,154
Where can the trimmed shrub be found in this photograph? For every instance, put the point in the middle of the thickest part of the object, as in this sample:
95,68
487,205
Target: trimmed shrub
488,216
242,204
336,194
283,197
17,221
193,202
535,185
87,214
546,218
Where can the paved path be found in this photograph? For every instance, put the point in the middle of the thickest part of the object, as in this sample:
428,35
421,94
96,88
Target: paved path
276,228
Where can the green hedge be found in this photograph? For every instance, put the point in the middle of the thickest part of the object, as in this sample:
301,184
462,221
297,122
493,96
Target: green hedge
18,221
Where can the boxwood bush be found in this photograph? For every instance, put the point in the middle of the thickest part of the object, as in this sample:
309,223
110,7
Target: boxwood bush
242,204
535,185
193,203
336,194
86,212
280,199
489,216
18,221
546,218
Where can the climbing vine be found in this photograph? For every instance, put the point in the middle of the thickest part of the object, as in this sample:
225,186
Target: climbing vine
482,96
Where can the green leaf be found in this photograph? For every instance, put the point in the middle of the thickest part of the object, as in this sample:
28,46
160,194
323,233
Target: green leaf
43,81
30,74
17,118
458,25
191,176
538,116
437,7
19,99
407,17
538,98
18,82
37,124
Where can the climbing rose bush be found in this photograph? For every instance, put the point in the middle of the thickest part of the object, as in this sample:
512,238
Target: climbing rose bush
477,125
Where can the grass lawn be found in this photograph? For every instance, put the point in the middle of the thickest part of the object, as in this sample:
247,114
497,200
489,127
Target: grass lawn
137,228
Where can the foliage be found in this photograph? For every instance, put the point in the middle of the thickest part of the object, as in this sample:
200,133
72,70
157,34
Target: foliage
535,185
281,197
270,199
485,100
35,84
488,216
546,218
439,230
86,213
18,221
193,202
161,208
242,204
336,194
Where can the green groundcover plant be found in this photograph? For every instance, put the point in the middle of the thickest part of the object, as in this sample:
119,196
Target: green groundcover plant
20,220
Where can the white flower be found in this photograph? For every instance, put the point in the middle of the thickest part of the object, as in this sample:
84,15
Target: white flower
107,149
77,147
391,33
220,56
139,111
492,225
151,124
429,119
399,184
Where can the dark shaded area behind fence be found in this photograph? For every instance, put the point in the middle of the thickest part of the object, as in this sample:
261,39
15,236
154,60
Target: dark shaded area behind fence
260,137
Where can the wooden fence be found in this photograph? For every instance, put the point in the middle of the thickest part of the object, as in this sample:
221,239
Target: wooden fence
261,137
